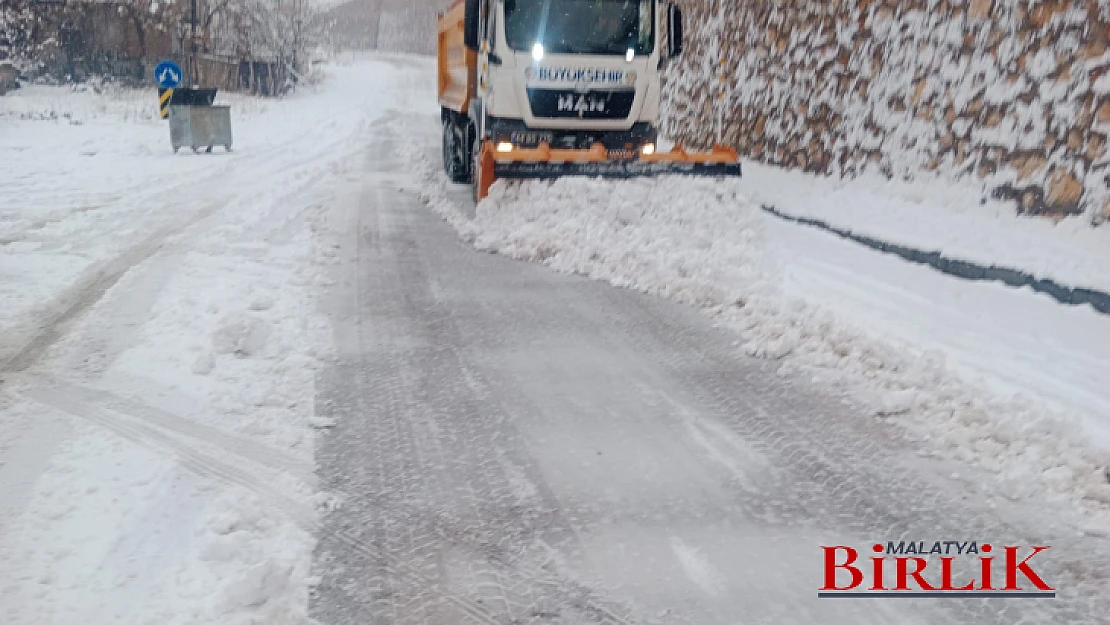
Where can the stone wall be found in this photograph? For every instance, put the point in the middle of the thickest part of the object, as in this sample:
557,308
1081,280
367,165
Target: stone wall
1013,92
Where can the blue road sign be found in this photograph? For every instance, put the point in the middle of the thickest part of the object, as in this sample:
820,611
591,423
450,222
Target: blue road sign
168,75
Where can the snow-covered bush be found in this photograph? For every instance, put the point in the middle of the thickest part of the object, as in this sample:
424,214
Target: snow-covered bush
276,35
17,37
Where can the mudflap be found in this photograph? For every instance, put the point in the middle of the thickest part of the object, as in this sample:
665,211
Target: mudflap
485,173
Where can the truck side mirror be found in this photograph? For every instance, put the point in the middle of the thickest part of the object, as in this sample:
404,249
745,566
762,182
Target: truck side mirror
470,24
674,28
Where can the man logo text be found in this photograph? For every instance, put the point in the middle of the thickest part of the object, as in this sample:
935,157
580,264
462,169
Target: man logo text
581,104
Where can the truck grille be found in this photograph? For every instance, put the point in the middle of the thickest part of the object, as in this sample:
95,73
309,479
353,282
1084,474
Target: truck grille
563,103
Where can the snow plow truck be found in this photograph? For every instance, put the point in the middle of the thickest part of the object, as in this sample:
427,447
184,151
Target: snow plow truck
551,88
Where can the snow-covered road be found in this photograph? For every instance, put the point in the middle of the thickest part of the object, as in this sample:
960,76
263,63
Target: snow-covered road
515,445
275,387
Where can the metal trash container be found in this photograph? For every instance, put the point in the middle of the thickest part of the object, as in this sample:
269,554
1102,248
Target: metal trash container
199,127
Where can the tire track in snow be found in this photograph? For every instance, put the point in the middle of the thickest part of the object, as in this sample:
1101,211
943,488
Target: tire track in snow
846,469
225,473
430,486
56,317
143,414
197,461
60,314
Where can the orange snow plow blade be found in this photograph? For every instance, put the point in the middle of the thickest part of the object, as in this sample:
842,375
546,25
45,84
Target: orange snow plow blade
545,162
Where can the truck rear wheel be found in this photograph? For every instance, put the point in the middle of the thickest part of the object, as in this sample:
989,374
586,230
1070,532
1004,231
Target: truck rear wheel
456,153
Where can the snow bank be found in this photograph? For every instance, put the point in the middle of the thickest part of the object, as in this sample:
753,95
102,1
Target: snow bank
706,243
942,217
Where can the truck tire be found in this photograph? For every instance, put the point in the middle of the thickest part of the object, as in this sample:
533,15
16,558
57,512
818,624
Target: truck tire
456,156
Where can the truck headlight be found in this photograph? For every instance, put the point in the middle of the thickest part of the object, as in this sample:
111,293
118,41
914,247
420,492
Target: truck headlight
648,149
504,147
537,51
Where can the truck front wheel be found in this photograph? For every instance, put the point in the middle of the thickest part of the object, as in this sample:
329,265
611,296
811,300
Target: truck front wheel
456,153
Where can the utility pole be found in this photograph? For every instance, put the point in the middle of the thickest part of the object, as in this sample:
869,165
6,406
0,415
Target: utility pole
377,29
194,69
298,9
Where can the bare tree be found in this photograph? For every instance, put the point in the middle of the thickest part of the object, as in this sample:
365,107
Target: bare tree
271,36
147,16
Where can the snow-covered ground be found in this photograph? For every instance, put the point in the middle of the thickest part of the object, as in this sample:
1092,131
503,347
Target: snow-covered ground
160,337
945,217
1003,379
84,175
160,341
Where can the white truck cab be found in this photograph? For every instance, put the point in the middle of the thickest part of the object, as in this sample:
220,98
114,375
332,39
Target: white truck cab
551,88
571,72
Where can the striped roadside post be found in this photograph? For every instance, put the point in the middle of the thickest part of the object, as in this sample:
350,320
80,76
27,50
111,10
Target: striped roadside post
164,98
168,76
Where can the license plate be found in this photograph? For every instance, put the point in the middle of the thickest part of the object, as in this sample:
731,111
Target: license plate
531,138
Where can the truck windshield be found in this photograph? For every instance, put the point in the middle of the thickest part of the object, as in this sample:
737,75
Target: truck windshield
581,26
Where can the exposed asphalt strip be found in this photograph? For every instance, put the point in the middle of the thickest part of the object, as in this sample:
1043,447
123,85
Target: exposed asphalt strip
1099,300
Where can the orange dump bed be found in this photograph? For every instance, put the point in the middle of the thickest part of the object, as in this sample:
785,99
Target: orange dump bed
458,64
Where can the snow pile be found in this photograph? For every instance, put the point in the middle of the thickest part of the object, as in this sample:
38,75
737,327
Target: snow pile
188,550
258,560
704,243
